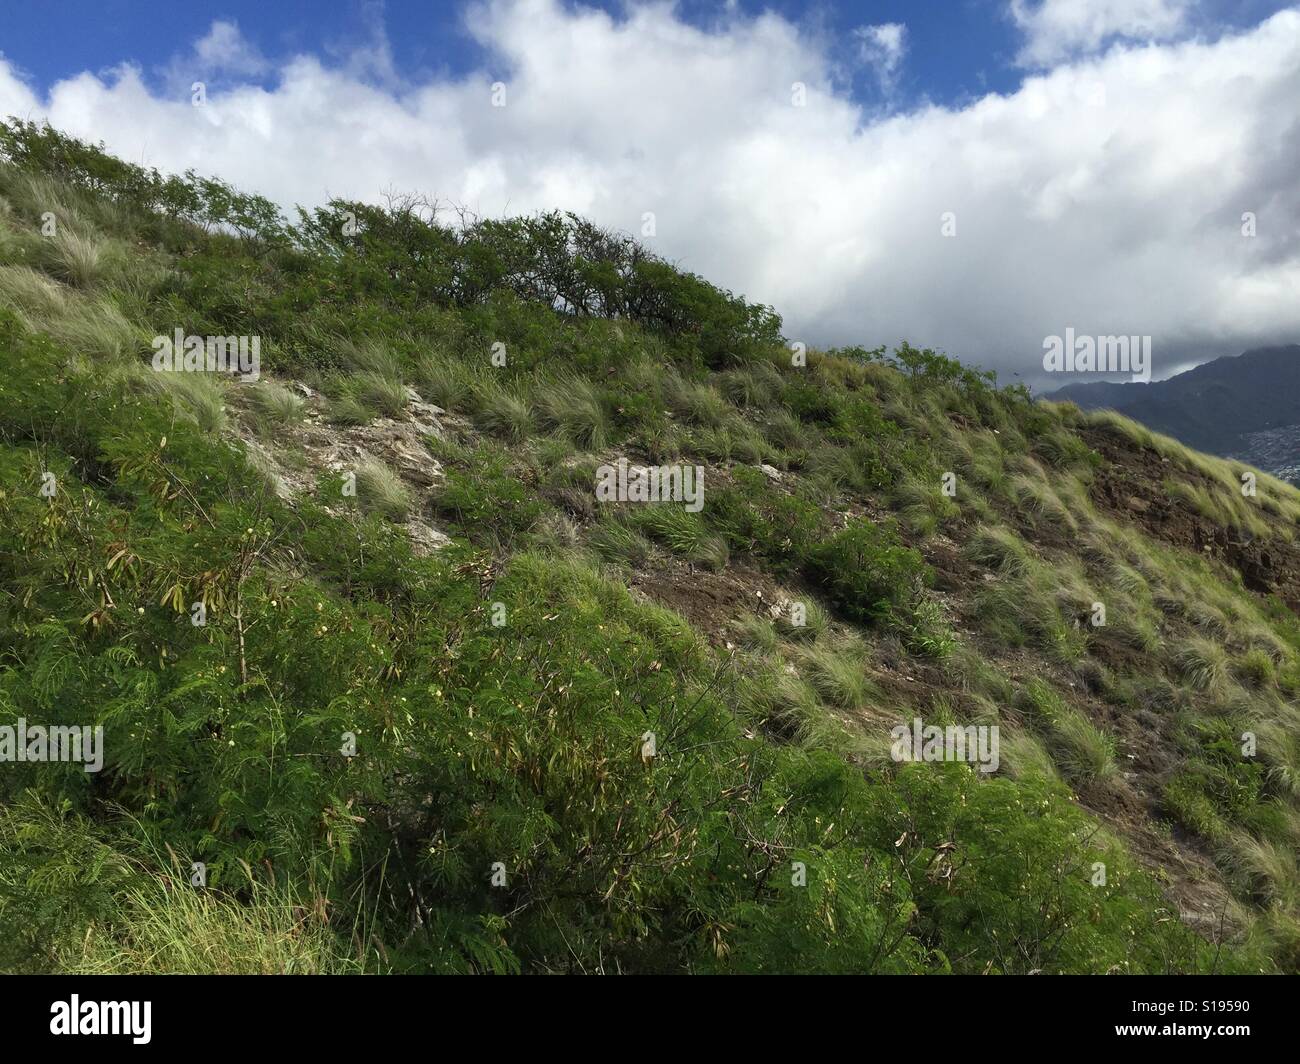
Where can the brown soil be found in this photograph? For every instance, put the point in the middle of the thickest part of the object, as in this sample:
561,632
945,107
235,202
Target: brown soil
1128,486
711,601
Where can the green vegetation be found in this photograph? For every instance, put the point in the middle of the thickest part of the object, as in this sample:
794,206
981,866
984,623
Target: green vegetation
578,736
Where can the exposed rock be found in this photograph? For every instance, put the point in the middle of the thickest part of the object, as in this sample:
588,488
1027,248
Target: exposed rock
425,416
293,464
425,539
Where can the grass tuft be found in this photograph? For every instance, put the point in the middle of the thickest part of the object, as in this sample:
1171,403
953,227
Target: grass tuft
381,491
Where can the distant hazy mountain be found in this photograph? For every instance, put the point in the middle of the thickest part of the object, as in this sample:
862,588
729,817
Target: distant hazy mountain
1246,407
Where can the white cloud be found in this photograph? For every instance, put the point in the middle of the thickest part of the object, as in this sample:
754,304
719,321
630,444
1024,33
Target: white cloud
1113,212
883,47
222,53
1057,29
225,48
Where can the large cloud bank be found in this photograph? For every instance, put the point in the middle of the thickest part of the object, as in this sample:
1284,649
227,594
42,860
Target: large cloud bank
1106,194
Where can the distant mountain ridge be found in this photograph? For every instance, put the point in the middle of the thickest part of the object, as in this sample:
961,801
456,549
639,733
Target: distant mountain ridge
1246,406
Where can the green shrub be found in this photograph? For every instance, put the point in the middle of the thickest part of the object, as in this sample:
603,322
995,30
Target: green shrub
924,628
756,520
865,571
487,503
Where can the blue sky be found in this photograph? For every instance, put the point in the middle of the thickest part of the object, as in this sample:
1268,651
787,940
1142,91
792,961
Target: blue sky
1097,158
957,49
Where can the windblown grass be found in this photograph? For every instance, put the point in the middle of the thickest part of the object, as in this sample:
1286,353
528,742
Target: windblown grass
381,491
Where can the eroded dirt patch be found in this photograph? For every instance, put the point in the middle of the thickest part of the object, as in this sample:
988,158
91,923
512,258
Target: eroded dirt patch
711,601
1128,486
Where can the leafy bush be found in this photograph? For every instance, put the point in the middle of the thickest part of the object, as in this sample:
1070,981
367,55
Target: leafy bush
865,571
756,520
487,502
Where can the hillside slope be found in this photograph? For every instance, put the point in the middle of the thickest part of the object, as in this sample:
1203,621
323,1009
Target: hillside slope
1242,407
387,685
